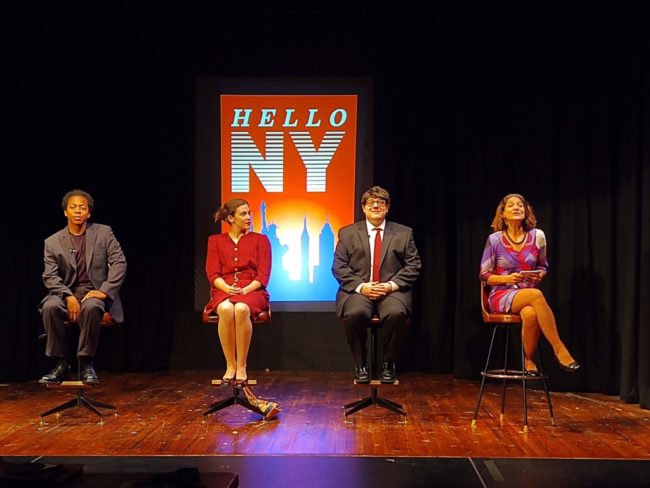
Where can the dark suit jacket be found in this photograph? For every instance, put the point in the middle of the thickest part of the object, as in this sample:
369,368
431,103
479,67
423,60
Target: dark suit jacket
105,262
399,262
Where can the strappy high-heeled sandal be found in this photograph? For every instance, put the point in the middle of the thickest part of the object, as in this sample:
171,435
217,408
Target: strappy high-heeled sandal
269,409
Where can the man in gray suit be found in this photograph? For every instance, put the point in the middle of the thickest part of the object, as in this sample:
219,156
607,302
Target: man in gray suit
84,270
376,264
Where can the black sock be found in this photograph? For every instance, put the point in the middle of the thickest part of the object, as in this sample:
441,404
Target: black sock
86,360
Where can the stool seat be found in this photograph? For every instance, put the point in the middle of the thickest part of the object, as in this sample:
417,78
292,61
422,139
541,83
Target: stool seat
106,321
508,322
68,385
263,317
374,399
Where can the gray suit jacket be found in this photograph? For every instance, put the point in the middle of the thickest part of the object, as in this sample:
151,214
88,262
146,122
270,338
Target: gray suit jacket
105,262
399,262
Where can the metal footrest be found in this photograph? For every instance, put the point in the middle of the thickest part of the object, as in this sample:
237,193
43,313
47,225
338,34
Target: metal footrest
513,374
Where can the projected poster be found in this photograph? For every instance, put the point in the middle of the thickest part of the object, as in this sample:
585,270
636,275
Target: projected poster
293,158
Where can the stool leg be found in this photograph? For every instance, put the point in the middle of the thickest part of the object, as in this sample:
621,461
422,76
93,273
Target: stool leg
79,401
523,382
85,403
219,405
355,406
485,369
545,386
373,399
505,371
235,399
391,405
64,406
96,403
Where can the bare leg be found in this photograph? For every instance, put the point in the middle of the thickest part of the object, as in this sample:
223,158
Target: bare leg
226,327
530,334
535,298
244,334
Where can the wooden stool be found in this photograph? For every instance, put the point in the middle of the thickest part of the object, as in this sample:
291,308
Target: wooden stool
374,399
508,322
79,387
248,400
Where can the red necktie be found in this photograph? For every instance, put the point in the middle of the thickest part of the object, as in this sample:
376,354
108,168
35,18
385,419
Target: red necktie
376,255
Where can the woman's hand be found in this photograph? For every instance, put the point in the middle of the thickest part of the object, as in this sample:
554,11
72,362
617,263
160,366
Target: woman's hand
535,278
514,278
234,290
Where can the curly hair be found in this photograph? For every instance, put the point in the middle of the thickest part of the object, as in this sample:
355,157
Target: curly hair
78,193
499,223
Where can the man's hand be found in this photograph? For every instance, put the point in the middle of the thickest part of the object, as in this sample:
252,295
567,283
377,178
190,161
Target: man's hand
375,290
73,306
94,294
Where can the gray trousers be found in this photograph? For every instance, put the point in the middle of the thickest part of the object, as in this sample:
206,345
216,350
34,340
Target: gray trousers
54,315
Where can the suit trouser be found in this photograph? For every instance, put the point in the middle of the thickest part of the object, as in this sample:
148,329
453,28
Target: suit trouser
55,313
357,312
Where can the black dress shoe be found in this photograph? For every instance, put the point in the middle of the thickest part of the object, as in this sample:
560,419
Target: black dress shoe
57,375
388,374
569,368
88,374
361,374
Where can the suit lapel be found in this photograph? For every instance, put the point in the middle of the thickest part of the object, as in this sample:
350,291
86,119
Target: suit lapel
91,238
365,244
389,232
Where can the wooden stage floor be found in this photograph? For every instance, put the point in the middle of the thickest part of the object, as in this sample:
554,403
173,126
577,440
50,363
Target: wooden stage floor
160,414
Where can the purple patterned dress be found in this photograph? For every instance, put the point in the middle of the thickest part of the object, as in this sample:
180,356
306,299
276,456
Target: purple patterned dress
499,258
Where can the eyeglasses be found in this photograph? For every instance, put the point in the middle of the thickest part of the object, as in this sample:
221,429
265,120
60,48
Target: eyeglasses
378,203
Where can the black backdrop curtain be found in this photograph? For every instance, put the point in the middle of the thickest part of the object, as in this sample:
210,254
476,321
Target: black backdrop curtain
470,104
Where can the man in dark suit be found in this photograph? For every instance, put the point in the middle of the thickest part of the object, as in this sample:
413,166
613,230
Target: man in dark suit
376,264
84,270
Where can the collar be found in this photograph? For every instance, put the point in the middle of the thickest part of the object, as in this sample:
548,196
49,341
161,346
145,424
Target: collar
370,227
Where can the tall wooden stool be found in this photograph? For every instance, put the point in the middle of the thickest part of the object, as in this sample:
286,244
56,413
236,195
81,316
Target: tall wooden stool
80,387
267,410
374,398
509,323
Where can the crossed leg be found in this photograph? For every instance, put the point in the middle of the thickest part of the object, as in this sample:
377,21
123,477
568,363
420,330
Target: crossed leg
530,302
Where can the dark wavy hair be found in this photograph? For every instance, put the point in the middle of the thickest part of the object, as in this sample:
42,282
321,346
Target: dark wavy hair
229,208
376,192
499,223
78,193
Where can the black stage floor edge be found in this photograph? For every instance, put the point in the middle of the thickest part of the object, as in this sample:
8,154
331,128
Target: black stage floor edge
335,471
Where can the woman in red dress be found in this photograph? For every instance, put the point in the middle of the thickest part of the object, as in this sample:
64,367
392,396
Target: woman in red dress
238,265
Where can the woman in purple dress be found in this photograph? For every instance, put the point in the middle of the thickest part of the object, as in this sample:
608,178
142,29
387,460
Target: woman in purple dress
514,262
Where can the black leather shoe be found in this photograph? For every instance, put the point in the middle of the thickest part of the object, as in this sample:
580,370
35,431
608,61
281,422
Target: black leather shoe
569,368
361,374
57,375
388,374
88,374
